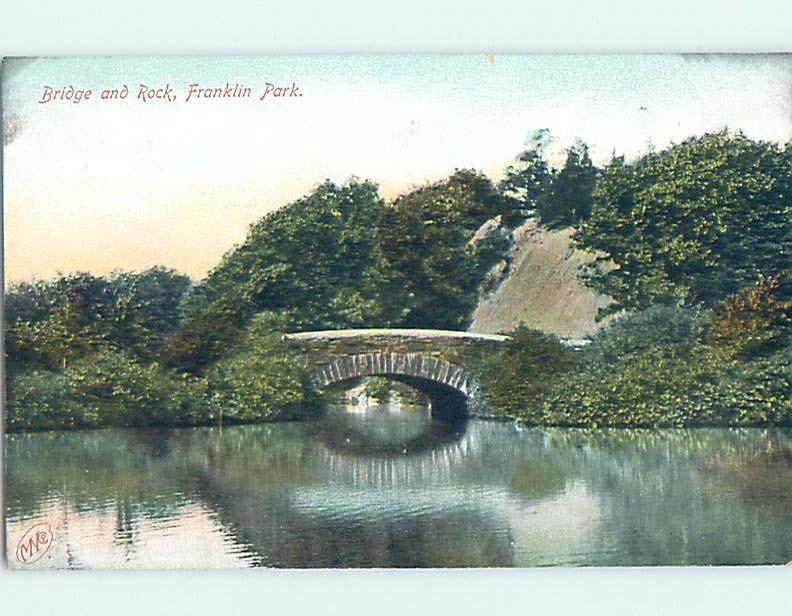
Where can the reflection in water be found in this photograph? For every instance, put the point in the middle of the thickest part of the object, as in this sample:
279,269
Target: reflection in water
384,430
393,487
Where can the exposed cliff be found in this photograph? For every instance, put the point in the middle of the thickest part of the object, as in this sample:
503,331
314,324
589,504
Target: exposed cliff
540,287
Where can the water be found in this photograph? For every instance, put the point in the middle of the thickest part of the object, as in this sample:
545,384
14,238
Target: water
389,487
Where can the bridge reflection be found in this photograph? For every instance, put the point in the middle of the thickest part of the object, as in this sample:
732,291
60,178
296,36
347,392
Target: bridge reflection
375,488
385,430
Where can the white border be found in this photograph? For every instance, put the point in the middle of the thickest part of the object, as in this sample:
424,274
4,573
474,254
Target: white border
148,27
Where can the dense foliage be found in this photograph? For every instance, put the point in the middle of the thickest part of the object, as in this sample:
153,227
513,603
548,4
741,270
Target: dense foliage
51,323
692,224
260,380
104,389
663,366
341,258
313,262
524,369
435,262
559,197
82,352
692,242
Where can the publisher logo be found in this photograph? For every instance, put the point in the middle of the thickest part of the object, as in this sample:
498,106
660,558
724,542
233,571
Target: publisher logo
34,543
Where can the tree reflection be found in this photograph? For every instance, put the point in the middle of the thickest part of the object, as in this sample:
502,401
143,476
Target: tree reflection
397,488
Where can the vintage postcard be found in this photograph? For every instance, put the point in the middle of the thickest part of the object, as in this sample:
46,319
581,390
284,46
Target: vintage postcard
397,311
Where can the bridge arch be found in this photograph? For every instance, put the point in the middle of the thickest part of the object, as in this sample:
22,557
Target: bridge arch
442,364
397,364
450,388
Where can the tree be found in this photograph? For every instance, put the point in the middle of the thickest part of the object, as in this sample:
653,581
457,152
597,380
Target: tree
312,261
146,309
526,183
692,224
50,323
434,263
558,197
570,197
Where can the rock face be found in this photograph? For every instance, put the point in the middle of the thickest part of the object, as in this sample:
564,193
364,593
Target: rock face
541,288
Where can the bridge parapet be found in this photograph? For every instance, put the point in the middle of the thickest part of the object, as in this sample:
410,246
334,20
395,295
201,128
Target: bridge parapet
322,347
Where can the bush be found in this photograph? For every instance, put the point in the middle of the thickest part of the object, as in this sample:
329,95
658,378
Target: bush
122,392
262,381
757,320
657,369
40,400
654,368
104,389
655,387
524,369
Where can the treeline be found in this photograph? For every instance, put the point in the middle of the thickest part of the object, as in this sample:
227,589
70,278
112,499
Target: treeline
698,233
341,257
151,348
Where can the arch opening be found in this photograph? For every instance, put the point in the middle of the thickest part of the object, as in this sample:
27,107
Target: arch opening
448,387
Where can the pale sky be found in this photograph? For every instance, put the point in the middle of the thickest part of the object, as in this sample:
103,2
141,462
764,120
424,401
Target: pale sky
126,184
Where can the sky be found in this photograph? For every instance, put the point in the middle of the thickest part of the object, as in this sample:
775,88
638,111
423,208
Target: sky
128,184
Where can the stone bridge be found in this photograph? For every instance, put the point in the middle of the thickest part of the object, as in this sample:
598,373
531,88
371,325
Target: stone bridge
442,364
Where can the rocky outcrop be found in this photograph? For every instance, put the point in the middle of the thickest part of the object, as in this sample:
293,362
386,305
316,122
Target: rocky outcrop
539,286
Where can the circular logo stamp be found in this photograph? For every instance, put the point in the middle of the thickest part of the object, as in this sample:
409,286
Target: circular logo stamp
34,543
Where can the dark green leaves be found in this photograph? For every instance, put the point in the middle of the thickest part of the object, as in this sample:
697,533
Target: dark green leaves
559,197
691,224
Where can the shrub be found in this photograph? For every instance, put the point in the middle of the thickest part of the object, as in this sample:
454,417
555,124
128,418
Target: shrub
520,373
39,400
105,389
757,320
656,368
261,381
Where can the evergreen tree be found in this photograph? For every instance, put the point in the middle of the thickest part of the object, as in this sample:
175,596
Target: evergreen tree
558,197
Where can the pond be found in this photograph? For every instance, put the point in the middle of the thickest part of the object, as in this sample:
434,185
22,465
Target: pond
388,486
